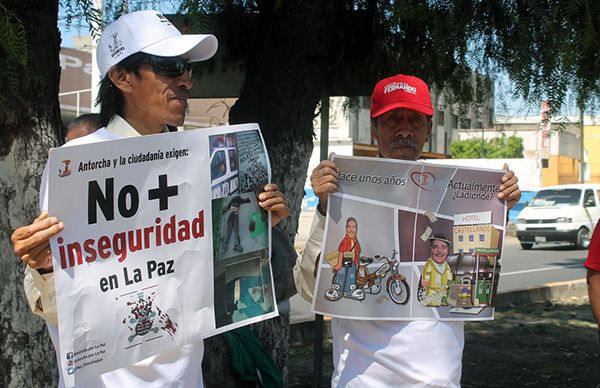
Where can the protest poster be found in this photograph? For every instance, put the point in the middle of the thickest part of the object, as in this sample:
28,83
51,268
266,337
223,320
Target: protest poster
161,246
410,240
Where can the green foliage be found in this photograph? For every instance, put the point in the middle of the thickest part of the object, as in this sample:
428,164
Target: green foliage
430,39
546,46
84,11
13,54
501,147
201,13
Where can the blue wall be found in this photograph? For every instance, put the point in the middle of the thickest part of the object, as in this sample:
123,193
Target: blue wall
526,197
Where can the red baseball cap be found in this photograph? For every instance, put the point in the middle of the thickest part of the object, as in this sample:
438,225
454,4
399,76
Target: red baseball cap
401,91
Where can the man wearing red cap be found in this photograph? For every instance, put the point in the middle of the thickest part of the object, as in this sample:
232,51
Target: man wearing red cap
592,263
145,64
386,353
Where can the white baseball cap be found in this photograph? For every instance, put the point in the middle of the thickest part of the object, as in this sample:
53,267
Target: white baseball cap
151,33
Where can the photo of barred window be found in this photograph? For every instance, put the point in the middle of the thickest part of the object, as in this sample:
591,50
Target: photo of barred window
243,289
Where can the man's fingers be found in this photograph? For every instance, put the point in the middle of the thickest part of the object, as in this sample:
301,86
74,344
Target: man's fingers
267,195
28,237
324,168
325,189
505,190
39,257
271,201
509,189
322,181
326,164
270,187
27,231
43,215
512,181
275,202
278,213
513,198
35,252
267,204
326,171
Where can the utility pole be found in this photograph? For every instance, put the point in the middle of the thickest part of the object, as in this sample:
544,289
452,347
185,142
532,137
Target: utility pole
319,324
483,143
95,79
581,146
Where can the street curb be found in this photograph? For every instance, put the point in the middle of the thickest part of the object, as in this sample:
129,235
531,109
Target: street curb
549,292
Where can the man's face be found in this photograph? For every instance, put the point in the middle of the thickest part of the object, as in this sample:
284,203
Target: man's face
439,251
401,133
157,99
351,229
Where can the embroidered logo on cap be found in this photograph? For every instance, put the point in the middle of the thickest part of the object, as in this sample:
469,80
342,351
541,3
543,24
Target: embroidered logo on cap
117,47
163,19
391,87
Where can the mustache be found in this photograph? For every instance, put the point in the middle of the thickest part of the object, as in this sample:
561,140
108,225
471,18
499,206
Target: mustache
181,94
401,142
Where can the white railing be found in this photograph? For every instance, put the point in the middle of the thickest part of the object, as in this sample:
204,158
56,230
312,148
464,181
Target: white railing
78,95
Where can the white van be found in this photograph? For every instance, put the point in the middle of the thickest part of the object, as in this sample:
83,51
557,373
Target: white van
564,213
224,171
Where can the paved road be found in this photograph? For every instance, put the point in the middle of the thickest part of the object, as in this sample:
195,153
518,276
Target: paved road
545,263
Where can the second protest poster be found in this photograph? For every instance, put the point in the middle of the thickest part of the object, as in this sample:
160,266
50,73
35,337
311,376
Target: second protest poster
410,240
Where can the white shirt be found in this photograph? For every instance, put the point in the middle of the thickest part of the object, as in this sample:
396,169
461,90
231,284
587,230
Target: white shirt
377,354
177,368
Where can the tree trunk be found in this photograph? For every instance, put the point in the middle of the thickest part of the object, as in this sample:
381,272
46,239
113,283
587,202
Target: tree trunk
29,122
282,89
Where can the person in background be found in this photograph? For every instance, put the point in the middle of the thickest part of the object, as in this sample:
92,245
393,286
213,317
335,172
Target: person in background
82,125
592,263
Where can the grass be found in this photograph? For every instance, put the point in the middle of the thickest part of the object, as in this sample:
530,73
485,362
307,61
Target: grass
533,345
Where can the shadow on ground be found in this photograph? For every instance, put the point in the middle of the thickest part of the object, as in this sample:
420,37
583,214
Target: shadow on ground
533,345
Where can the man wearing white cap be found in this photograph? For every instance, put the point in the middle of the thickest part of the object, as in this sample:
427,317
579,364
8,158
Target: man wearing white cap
145,66
385,353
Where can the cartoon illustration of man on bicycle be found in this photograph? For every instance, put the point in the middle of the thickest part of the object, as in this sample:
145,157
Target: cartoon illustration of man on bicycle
344,278
437,274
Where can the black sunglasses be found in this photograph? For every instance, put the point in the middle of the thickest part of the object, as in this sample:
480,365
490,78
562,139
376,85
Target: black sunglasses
168,66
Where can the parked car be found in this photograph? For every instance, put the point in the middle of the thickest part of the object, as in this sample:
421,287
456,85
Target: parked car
564,213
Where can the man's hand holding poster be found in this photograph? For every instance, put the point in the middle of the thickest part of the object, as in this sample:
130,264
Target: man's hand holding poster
411,240
162,244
